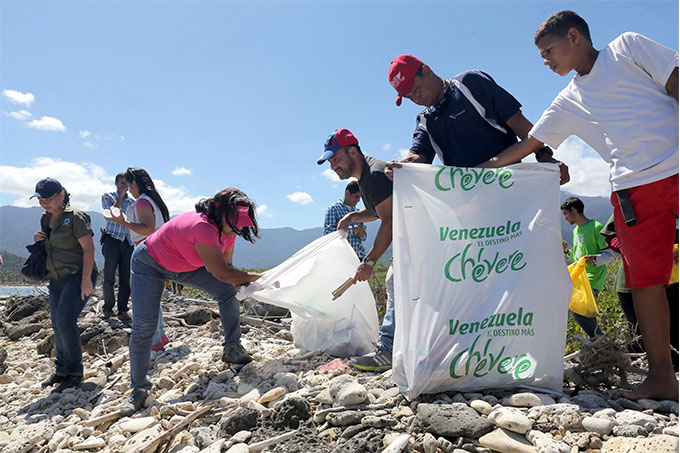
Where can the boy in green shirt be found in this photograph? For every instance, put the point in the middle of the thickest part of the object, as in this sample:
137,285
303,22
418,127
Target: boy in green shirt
587,242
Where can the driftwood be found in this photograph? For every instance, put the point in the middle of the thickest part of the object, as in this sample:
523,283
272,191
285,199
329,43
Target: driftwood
606,360
257,322
104,418
113,364
170,434
271,441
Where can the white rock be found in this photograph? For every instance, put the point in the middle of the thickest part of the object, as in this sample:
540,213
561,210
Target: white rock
511,419
545,443
215,447
481,406
353,393
135,442
671,430
506,442
630,417
135,425
527,399
272,395
600,425
91,443
238,448
657,444
252,395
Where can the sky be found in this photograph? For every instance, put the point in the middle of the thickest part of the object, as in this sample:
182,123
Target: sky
206,95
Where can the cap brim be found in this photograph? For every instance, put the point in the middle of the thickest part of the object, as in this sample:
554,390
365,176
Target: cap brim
35,195
325,156
244,222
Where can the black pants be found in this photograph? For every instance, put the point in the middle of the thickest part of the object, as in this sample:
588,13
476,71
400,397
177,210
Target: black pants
117,255
626,301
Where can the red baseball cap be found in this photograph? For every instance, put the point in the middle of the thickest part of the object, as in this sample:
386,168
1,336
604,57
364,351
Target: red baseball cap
402,74
335,141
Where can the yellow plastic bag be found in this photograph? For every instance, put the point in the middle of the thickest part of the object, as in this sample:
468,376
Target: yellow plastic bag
674,272
582,298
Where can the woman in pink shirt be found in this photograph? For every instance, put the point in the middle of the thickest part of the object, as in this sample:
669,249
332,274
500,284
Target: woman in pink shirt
195,249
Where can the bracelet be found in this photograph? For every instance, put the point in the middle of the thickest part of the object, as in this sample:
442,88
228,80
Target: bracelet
369,262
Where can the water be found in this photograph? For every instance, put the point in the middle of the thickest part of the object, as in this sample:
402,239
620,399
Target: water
6,291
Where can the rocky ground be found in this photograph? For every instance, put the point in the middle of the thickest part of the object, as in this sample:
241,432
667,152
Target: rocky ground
286,400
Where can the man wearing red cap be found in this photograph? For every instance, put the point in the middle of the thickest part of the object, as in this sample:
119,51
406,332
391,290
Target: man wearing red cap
342,151
469,118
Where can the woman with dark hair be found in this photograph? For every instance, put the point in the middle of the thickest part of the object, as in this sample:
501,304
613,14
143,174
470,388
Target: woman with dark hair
67,236
195,249
144,216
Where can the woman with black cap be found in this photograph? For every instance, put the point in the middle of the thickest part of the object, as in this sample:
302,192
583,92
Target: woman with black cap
67,236
195,249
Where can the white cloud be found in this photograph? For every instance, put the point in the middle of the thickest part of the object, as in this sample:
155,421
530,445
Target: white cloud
589,173
21,115
330,175
47,123
90,145
84,134
18,97
181,171
85,181
301,198
403,152
386,146
263,211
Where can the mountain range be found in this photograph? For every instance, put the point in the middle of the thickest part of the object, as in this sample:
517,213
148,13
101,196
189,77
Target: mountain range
17,226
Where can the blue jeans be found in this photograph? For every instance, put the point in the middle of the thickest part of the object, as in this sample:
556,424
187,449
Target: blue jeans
148,279
160,328
386,333
116,256
65,307
589,325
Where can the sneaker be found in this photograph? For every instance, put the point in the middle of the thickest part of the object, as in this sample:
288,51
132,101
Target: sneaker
158,347
379,360
134,403
234,353
54,379
108,314
164,339
69,381
124,317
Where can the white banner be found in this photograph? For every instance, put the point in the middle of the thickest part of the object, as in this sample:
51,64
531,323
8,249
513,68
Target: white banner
481,287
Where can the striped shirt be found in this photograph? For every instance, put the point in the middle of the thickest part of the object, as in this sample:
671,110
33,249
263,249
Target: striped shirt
116,230
337,211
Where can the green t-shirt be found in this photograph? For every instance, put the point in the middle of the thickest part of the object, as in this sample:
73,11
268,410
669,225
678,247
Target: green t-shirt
64,253
589,241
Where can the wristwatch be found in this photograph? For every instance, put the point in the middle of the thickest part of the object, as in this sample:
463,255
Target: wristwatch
369,261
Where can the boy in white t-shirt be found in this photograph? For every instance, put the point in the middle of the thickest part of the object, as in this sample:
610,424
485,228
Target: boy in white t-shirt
624,103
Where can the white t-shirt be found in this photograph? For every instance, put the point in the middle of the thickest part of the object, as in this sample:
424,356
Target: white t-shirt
622,109
131,214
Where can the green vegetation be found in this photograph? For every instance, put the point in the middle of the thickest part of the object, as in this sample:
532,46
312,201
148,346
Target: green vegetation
10,271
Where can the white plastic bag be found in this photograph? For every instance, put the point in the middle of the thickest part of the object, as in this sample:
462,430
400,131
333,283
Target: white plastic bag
304,282
481,289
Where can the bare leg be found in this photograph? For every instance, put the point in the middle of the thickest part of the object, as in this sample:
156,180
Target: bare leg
651,308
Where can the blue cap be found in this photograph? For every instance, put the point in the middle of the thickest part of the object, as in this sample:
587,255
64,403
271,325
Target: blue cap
335,141
47,187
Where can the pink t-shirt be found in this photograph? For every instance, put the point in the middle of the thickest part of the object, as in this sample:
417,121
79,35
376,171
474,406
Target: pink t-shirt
172,246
